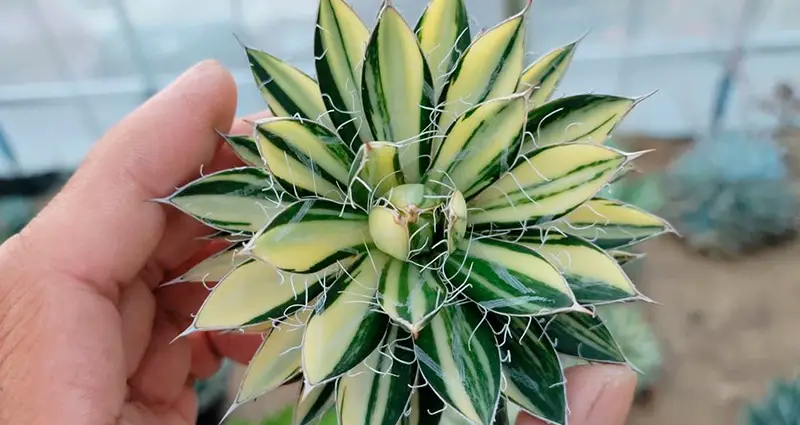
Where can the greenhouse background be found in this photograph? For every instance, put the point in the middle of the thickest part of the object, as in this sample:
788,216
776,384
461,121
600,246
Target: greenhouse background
723,116
71,68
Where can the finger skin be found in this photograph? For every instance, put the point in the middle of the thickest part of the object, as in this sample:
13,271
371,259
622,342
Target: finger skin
596,394
62,352
107,225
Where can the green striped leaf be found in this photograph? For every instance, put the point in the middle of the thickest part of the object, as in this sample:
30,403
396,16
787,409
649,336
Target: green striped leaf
489,69
313,403
444,35
545,73
535,380
588,118
306,158
480,146
245,148
547,184
375,171
213,268
257,292
345,328
276,361
238,199
339,43
611,224
625,257
594,276
377,391
288,91
426,406
311,235
409,295
584,336
458,356
508,278
398,92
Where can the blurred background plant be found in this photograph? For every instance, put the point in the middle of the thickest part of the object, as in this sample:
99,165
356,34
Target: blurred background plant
781,405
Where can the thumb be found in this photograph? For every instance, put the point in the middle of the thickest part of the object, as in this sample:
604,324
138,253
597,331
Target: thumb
596,394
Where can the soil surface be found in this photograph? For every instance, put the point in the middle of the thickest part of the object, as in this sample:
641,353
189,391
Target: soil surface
727,328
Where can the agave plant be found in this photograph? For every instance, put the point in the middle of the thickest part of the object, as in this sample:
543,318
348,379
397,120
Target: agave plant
416,231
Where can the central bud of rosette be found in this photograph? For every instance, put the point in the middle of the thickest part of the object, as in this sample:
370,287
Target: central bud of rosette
411,221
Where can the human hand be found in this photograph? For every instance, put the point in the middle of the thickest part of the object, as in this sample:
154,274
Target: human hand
597,395
85,338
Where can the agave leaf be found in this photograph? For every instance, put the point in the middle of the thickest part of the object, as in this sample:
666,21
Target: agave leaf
547,184
459,358
611,224
312,235
480,146
489,69
535,380
213,268
398,92
346,328
276,361
313,403
624,257
306,158
377,392
508,278
226,236
426,407
409,295
588,118
584,336
594,276
288,91
257,292
545,73
375,171
238,199
444,35
245,148
339,44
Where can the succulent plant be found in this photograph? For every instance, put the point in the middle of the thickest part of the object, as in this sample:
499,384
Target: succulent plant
416,231
726,211
781,406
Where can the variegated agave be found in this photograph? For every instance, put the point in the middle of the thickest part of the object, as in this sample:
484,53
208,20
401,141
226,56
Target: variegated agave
417,231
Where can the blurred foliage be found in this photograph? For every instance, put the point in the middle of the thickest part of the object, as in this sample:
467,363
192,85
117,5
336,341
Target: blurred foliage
781,406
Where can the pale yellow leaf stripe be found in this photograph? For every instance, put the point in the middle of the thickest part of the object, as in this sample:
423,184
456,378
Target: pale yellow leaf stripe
586,118
213,268
311,235
333,332
546,184
610,223
545,73
397,91
443,33
287,90
377,391
378,167
257,292
480,145
408,295
489,69
339,47
306,155
276,361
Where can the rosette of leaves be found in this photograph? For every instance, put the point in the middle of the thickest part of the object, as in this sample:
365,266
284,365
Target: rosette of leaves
416,230
781,406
